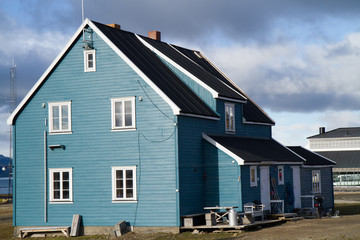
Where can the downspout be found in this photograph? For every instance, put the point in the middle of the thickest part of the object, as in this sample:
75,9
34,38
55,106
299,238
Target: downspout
177,171
45,176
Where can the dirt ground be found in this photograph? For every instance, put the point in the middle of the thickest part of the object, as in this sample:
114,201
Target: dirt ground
347,226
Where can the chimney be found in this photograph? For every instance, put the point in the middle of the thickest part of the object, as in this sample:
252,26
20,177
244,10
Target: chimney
155,35
321,130
114,25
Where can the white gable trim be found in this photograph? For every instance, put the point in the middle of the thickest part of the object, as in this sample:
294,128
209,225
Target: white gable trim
239,160
10,120
201,83
174,107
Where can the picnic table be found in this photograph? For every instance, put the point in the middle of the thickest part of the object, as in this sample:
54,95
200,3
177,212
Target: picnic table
219,215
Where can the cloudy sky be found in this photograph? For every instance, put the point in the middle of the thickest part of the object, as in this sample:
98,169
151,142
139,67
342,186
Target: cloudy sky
298,59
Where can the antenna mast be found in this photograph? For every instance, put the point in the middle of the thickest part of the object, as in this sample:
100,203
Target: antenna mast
12,103
82,10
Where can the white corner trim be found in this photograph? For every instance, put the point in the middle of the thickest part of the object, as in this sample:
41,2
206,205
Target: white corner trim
201,83
10,120
174,107
238,159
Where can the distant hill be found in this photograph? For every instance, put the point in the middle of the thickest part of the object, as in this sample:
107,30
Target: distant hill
4,161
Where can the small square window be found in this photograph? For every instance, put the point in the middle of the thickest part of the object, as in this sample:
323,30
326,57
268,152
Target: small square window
123,113
60,117
89,61
229,117
124,183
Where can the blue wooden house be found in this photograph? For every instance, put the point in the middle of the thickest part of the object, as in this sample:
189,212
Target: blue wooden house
126,127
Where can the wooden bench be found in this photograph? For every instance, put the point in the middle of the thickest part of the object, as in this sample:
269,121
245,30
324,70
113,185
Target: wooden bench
189,219
25,231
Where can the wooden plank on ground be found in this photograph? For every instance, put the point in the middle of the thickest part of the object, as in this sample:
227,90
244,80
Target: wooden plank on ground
75,226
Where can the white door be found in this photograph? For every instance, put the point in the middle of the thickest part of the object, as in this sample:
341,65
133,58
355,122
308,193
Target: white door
297,186
265,187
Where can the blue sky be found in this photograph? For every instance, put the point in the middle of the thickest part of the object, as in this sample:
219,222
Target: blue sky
298,60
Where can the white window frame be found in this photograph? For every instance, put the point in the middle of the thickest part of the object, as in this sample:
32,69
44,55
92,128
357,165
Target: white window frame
316,181
230,107
133,111
51,115
124,199
280,180
51,185
86,61
253,183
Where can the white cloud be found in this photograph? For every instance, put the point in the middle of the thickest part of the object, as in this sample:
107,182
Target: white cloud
18,41
287,69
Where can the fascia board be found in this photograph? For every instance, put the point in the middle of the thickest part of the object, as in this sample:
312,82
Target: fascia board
187,73
10,120
238,159
176,110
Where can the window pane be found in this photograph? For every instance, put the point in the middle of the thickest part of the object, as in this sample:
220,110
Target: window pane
129,183
118,114
65,117
90,64
119,193
119,184
56,185
55,124
119,174
65,175
118,107
66,185
129,174
64,111
252,175
56,176
129,193
66,194
127,107
57,194
55,111
65,124
90,56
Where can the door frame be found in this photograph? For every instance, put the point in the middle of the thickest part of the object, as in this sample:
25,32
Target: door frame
265,186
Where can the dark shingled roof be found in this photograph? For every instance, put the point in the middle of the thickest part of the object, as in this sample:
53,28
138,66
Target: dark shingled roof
339,133
157,71
256,150
223,89
312,158
343,159
252,112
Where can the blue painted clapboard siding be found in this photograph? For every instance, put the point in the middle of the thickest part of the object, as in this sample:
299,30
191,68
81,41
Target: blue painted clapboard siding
92,148
192,157
326,185
249,194
222,183
204,94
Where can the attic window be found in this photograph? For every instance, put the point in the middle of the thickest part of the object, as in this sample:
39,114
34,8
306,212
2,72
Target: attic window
229,118
89,61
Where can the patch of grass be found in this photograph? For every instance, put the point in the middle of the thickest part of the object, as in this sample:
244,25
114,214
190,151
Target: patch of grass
348,209
6,230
